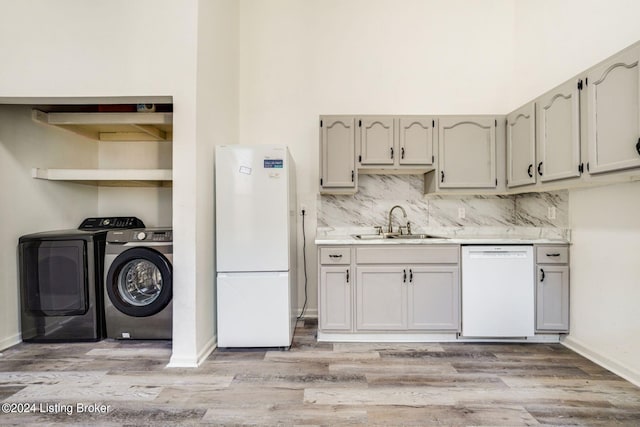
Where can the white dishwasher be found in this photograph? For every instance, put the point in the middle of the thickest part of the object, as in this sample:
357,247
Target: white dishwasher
497,291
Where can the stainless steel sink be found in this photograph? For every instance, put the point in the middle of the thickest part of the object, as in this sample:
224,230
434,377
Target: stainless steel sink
394,236
369,236
414,236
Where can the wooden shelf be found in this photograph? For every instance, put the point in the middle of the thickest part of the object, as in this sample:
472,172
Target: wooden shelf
112,126
108,177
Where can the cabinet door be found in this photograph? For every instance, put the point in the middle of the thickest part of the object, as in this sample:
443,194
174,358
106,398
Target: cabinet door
376,140
559,133
381,296
613,113
434,298
337,152
416,140
552,298
335,298
521,146
467,152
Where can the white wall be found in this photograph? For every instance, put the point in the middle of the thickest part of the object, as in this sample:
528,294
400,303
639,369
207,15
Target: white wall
217,123
605,288
151,204
557,39
29,205
214,122
300,59
605,279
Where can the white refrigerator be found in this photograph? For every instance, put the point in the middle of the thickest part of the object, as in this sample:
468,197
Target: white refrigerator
256,225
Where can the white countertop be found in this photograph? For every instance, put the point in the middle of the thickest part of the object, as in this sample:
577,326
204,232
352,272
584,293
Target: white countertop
460,236
350,240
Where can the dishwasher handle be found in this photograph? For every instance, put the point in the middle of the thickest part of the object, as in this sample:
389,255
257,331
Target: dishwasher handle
500,254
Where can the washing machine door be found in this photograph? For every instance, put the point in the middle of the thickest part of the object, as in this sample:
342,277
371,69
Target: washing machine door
139,282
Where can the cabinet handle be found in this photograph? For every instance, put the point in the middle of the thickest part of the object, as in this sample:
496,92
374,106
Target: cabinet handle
529,171
392,152
404,276
441,176
352,176
402,152
410,276
347,275
542,278
335,256
638,146
554,255
540,168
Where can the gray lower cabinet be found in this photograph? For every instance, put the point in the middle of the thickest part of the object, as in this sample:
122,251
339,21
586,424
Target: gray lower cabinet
381,298
552,289
433,298
335,298
411,297
394,289
335,289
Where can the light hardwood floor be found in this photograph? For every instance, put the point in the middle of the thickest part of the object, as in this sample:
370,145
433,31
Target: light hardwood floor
447,384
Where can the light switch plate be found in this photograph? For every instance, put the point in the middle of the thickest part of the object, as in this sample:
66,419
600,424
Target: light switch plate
461,213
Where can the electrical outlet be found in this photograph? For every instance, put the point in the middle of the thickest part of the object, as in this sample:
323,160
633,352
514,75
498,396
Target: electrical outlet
303,207
461,213
551,212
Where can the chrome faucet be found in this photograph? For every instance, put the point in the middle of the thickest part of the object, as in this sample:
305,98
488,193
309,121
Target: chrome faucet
390,225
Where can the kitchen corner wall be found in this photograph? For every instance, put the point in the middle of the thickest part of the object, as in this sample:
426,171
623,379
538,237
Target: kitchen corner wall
377,194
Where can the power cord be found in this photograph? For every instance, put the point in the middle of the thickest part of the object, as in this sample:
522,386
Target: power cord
304,258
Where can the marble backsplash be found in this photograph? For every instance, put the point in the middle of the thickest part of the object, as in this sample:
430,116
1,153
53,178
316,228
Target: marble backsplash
525,213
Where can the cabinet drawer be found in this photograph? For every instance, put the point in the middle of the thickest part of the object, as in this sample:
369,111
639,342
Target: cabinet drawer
335,256
552,254
409,255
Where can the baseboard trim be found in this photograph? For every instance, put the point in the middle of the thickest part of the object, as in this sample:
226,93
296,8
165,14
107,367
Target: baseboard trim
209,347
10,341
194,362
604,361
310,313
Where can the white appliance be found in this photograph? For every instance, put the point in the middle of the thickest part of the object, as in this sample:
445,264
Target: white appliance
255,246
497,291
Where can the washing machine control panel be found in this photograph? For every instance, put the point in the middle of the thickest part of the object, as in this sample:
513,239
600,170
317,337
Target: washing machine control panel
107,223
161,236
152,236
140,235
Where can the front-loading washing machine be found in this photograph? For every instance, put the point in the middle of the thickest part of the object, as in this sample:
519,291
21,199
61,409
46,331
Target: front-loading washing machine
138,283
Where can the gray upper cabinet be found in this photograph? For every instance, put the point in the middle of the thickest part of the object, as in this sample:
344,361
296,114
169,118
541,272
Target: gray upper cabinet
467,152
559,133
521,146
395,142
337,154
613,113
416,135
376,135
